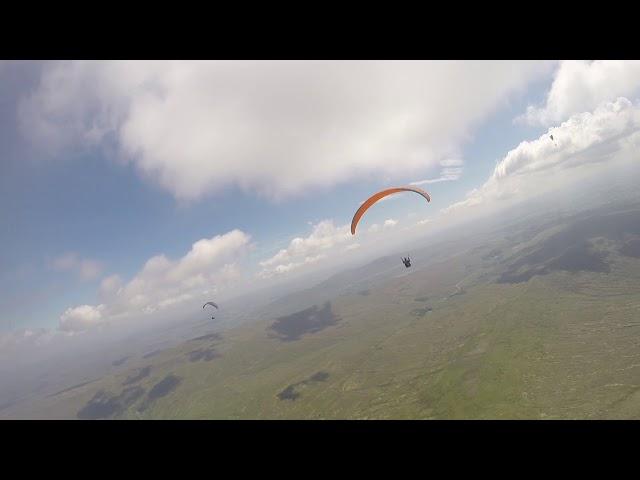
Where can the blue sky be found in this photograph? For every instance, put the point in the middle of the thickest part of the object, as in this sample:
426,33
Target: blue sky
105,209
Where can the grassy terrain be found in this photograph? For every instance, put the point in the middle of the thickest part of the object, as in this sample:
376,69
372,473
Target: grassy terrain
529,325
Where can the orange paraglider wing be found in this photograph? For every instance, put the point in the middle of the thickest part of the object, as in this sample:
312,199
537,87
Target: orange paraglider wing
374,198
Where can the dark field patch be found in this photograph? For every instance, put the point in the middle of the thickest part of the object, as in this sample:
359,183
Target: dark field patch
206,354
364,292
290,392
631,248
103,405
139,375
311,320
120,361
580,258
421,299
129,396
576,258
319,377
420,312
164,387
161,389
210,336
100,406
568,248
512,277
151,354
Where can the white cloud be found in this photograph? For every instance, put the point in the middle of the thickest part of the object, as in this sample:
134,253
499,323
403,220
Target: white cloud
110,287
586,141
423,221
451,170
288,267
353,246
390,223
207,263
581,86
328,247
85,268
81,318
308,250
442,178
208,267
273,127
16,338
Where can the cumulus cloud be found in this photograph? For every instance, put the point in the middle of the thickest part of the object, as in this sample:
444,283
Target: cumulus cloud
306,250
209,266
353,246
288,267
328,246
26,336
110,286
581,86
276,128
81,318
85,268
389,223
586,141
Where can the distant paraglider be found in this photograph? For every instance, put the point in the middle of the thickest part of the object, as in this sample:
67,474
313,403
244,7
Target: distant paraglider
212,304
406,261
378,196
551,137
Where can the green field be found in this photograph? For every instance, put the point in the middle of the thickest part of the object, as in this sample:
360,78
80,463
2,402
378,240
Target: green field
538,324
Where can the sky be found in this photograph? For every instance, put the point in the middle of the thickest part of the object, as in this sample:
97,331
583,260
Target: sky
130,187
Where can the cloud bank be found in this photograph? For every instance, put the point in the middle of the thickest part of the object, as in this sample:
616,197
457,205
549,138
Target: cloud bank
586,141
306,250
209,267
81,318
580,86
273,128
